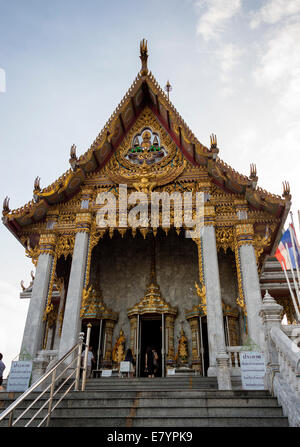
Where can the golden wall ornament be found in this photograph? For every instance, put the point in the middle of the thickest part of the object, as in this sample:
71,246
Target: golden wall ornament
65,245
108,335
118,353
196,353
32,253
201,292
182,353
225,238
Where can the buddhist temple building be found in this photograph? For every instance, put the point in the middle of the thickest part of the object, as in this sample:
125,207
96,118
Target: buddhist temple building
139,281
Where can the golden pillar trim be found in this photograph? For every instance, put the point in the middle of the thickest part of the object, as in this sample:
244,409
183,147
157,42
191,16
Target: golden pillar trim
244,234
201,291
170,350
196,346
108,336
133,334
47,243
209,215
48,246
83,221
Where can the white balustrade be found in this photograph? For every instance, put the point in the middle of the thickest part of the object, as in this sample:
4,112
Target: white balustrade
234,358
288,358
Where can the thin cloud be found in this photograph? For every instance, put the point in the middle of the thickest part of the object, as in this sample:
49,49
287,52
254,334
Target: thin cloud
217,14
274,11
278,67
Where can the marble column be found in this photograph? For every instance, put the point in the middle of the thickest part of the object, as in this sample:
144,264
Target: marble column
35,326
214,311
72,323
250,282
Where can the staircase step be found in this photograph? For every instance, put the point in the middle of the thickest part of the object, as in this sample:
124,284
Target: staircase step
160,402
170,422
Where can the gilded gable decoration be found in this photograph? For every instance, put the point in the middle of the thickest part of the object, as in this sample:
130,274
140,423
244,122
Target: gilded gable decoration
147,158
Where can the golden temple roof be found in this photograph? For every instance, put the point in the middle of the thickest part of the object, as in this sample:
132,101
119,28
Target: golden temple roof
144,92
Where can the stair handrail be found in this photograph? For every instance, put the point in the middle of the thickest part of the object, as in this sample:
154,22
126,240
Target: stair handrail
9,411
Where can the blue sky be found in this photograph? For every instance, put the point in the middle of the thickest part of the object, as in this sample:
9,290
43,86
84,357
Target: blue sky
235,71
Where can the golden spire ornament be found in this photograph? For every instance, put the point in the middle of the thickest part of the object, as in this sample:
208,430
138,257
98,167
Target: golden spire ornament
144,56
168,88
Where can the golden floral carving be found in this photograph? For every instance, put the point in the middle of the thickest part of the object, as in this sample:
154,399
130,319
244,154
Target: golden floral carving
225,238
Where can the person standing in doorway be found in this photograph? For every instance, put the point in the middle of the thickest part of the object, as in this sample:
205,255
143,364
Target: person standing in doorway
2,368
155,362
149,366
90,361
129,358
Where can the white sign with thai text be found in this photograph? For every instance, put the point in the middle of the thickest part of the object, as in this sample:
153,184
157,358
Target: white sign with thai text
106,372
253,370
19,376
124,366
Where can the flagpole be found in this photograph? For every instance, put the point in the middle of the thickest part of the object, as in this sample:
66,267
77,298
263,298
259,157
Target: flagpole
292,233
296,288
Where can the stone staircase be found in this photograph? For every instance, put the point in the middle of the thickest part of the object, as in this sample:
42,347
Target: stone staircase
160,402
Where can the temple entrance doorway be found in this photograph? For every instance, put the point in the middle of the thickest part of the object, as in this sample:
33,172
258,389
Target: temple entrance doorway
150,336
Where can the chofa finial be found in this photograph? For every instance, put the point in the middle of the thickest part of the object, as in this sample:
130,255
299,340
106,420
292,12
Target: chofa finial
253,171
286,190
213,141
144,56
73,157
37,186
213,146
6,205
253,175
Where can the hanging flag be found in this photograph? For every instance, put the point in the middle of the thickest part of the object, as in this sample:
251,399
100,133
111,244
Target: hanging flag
281,253
295,262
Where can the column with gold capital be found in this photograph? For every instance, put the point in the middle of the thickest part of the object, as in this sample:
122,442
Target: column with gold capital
71,323
215,325
34,326
250,287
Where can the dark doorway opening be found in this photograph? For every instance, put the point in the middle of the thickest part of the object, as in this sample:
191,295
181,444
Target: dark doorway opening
151,335
205,345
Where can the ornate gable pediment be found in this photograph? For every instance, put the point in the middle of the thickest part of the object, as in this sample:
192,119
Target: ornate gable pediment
148,156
